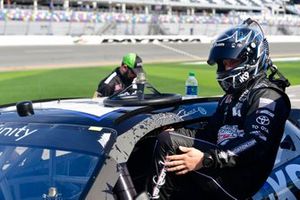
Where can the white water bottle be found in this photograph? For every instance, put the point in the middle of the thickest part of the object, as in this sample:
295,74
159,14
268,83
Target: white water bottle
191,86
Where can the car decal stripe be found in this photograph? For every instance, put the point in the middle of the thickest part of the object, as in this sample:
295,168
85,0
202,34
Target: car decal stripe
96,118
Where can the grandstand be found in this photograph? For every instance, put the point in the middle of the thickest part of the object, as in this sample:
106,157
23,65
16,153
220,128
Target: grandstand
148,6
144,17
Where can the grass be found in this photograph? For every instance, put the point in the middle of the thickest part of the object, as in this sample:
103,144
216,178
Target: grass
82,82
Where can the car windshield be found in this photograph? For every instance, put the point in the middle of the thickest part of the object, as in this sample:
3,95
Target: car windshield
40,173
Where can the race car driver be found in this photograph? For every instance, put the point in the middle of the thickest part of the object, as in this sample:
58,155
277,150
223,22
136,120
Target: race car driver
121,77
233,157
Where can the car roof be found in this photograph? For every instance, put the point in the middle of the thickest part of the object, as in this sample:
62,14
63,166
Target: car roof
54,121
68,111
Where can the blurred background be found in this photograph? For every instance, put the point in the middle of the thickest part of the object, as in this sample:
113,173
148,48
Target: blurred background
144,17
54,48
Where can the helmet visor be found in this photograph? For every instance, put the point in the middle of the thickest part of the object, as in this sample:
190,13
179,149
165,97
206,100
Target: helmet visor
222,51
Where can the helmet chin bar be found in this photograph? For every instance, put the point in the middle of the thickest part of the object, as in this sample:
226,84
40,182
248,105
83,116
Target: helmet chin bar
237,78
235,82
228,83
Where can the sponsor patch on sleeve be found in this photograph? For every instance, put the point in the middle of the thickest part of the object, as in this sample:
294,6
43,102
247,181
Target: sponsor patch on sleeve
263,120
267,103
259,134
265,111
244,146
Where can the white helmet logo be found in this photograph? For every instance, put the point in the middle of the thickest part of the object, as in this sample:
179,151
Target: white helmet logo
244,77
263,120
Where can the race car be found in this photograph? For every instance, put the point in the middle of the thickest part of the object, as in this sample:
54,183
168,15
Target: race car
97,149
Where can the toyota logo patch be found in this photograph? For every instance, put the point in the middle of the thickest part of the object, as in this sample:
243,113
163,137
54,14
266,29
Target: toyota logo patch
263,120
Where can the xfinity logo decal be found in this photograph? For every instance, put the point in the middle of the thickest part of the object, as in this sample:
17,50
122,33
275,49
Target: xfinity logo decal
285,178
15,133
263,120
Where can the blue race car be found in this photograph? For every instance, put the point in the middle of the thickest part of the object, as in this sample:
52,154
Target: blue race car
96,149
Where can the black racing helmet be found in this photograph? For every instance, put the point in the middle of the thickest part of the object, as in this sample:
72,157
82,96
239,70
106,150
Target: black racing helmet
246,44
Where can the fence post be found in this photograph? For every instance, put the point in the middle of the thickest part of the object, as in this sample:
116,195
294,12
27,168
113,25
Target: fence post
5,24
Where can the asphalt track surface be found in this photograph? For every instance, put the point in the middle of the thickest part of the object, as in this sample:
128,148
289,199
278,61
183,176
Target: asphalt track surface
294,94
23,57
31,57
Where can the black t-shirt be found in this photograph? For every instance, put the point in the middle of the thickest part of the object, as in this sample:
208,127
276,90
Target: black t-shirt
113,83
